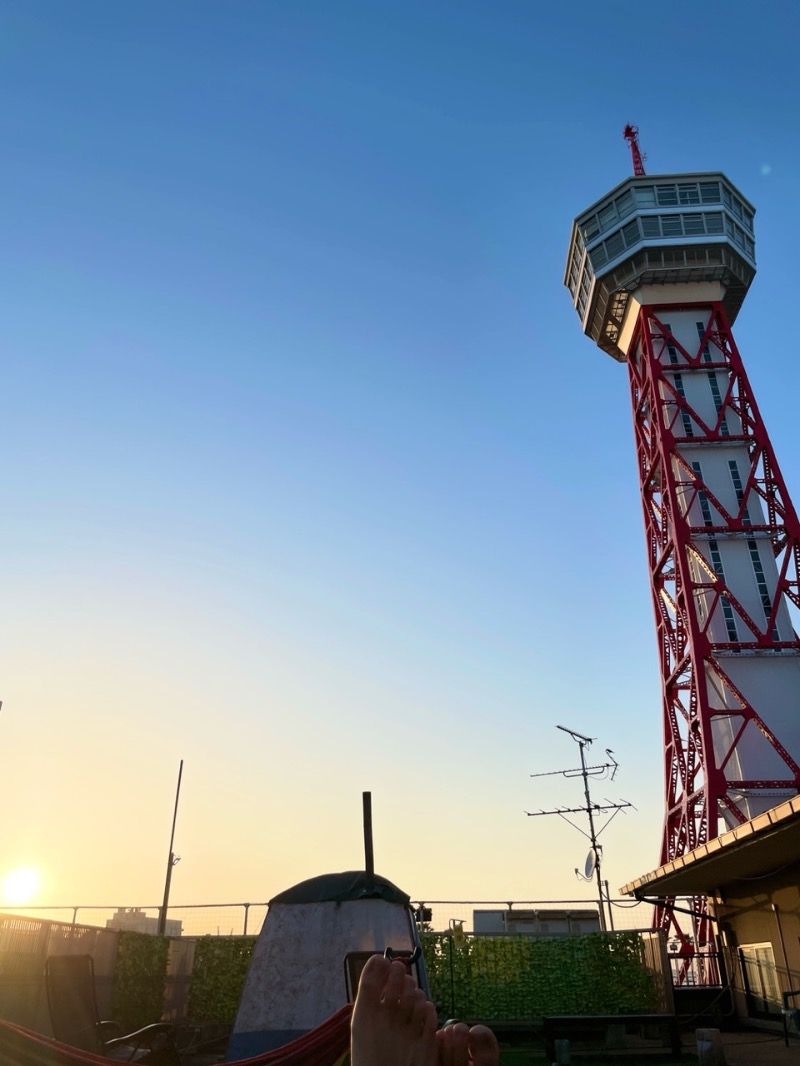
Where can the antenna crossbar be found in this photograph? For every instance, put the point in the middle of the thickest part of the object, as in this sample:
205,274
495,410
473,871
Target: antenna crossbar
577,770
582,810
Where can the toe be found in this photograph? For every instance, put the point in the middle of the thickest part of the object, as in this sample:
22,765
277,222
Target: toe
423,1014
458,1036
373,978
483,1046
395,982
409,999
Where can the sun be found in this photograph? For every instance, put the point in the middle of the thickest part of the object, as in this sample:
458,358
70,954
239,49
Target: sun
20,886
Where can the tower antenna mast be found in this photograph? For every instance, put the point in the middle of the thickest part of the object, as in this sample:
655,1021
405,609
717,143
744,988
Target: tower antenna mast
631,135
590,809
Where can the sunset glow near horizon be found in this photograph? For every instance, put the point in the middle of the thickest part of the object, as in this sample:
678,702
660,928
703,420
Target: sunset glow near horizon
20,887
310,479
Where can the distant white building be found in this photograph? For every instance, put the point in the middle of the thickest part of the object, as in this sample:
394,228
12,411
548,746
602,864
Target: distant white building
541,922
135,920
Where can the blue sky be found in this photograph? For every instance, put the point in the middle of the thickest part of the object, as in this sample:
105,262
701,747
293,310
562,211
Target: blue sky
309,477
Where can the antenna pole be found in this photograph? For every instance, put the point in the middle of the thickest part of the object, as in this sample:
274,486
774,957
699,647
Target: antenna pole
582,744
589,809
162,918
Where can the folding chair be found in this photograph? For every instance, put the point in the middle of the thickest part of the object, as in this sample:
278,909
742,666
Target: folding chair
72,1001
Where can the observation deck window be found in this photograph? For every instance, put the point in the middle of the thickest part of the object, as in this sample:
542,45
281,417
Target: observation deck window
667,195
688,193
608,216
624,204
709,192
737,208
652,227
643,197
738,236
631,233
615,245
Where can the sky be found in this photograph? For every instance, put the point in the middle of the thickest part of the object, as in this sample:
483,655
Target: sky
309,477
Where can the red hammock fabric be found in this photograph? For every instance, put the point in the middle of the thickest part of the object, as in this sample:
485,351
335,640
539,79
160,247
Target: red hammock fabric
323,1046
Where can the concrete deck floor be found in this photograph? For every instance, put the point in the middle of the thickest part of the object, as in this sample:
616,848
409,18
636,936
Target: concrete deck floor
742,1048
753,1048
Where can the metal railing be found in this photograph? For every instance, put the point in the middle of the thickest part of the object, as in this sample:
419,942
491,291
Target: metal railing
246,918
191,919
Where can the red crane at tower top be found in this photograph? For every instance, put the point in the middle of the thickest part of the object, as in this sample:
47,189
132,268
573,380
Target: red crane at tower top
631,135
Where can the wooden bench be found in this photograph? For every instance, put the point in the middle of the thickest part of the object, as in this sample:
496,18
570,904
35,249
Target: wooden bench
610,1033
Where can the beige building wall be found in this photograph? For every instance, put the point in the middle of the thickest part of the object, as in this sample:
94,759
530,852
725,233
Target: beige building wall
759,923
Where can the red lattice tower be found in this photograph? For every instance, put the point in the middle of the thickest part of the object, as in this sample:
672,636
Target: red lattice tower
658,270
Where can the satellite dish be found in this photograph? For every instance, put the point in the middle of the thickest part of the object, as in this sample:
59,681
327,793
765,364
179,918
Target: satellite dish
590,864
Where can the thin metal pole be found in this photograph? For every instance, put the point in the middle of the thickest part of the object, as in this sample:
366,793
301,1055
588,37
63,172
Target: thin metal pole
610,910
369,857
593,835
162,918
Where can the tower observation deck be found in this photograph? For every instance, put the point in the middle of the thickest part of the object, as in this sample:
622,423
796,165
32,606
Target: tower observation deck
671,229
658,270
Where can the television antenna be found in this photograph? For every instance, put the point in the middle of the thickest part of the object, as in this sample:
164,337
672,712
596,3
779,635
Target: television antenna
592,867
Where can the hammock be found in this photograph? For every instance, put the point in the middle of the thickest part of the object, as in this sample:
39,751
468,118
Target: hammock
324,1046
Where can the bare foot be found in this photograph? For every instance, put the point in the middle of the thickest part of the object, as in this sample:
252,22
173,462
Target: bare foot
393,1024
459,1046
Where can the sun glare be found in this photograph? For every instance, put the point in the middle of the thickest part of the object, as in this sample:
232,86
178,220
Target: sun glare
20,886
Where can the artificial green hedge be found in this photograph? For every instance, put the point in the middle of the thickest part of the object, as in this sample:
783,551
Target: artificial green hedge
218,973
516,978
510,978
140,977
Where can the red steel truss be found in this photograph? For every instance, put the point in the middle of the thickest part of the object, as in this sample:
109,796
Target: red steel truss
700,784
